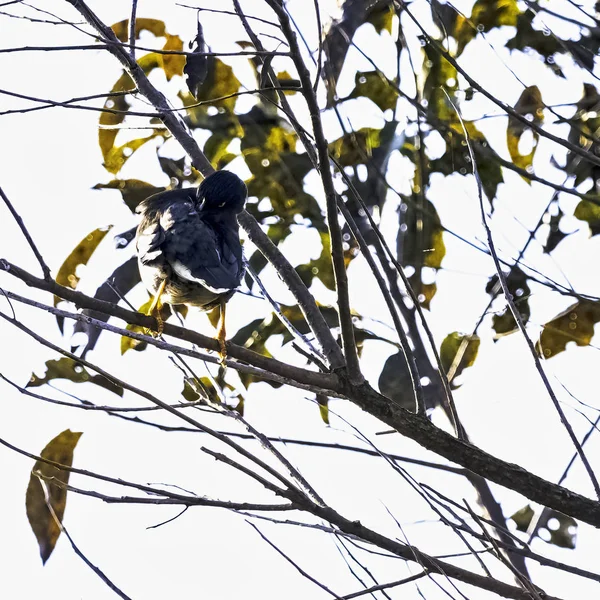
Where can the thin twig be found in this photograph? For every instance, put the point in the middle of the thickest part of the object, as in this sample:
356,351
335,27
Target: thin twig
132,28
519,319
21,224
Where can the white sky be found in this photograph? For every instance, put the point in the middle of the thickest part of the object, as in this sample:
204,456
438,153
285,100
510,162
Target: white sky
49,161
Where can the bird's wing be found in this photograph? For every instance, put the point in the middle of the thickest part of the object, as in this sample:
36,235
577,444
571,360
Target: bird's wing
194,250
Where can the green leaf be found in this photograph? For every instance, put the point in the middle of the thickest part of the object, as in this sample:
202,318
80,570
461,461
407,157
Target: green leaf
133,191
80,255
356,147
41,520
590,213
382,18
576,324
530,104
321,268
375,86
440,87
485,15
323,402
67,368
458,352
504,322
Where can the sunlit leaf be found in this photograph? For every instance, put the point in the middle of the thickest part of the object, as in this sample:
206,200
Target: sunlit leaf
576,324
121,29
67,368
80,255
504,322
173,64
530,104
133,191
374,86
41,520
323,402
458,352
485,15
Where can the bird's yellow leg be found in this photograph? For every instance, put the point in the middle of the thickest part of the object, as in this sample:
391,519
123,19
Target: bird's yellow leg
155,307
221,334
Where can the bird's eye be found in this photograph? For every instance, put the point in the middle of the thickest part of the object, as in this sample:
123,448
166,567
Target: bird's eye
222,204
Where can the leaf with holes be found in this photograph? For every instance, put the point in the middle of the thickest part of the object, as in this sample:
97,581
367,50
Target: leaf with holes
47,487
558,529
504,322
576,324
531,106
67,368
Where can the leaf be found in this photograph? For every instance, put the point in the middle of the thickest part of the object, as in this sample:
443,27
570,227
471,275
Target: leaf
375,86
555,234
154,26
117,286
80,255
116,156
528,38
576,324
395,382
559,529
530,104
67,368
41,520
458,352
323,402
133,191
178,171
590,213
485,15
173,64
420,240
356,147
382,18
504,322
440,87
321,268
196,66
217,89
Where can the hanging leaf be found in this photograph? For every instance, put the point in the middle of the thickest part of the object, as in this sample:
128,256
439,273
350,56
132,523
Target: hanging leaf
504,322
576,324
196,66
441,85
67,368
67,274
530,104
589,212
41,520
323,402
356,147
555,234
458,352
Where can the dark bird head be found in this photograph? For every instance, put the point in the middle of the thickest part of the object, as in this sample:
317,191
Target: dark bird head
220,192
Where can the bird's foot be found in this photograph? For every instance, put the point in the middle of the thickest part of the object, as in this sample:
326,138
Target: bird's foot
155,311
222,352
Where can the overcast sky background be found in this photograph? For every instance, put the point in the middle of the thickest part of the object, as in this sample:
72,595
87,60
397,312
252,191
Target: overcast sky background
50,160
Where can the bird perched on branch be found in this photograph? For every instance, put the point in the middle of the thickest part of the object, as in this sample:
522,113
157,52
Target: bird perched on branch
189,249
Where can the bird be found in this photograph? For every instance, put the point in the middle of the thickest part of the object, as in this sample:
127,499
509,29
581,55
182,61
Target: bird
188,247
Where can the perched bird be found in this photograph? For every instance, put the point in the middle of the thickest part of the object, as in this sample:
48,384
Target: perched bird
188,246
